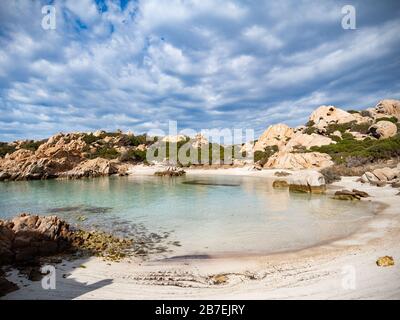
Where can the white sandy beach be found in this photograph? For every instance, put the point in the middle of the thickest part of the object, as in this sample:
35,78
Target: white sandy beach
320,272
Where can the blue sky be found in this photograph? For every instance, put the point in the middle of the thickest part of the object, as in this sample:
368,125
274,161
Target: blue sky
134,65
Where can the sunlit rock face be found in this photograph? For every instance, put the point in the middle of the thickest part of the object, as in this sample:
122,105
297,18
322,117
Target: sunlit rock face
386,108
296,161
278,134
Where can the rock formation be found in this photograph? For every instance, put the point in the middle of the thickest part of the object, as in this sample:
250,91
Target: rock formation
28,237
323,116
72,155
277,134
382,176
92,168
386,108
296,161
307,141
383,129
307,181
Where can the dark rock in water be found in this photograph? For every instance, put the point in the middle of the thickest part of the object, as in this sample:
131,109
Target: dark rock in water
6,286
280,184
361,194
206,183
170,172
350,195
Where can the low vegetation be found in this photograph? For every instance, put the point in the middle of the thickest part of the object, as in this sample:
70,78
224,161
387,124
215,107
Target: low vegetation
105,152
352,126
368,150
262,156
6,148
32,145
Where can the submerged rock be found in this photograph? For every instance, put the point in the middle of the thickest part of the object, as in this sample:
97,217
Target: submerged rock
280,184
350,195
219,279
385,261
170,172
307,181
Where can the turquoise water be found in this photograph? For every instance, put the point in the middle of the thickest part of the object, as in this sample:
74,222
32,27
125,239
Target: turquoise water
194,215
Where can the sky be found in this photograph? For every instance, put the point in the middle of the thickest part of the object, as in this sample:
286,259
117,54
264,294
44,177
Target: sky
135,65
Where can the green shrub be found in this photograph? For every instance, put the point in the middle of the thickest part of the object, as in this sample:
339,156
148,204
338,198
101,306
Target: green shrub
310,123
263,156
368,149
90,138
365,113
32,145
353,111
105,152
138,140
310,130
136,155
6,148
390,119
352,126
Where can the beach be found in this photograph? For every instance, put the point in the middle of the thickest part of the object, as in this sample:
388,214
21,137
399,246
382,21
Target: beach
342,269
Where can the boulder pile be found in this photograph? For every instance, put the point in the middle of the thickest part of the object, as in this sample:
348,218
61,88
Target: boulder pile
382,176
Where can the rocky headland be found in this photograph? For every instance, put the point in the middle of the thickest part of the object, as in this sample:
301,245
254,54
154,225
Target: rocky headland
348,142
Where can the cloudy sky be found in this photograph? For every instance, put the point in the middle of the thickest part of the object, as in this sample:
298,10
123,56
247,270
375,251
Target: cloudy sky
134,65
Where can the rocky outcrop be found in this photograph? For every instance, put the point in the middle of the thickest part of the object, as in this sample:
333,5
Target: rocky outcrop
307,141
386,108
308,181
92,168
383,129
60,153
278,134
296,161
26,237
323,116
73,155
350,195
382,176
29,237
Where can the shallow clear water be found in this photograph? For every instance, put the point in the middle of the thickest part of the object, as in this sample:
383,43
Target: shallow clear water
204,215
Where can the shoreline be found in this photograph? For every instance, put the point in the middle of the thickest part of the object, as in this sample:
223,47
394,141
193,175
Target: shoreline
311,273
